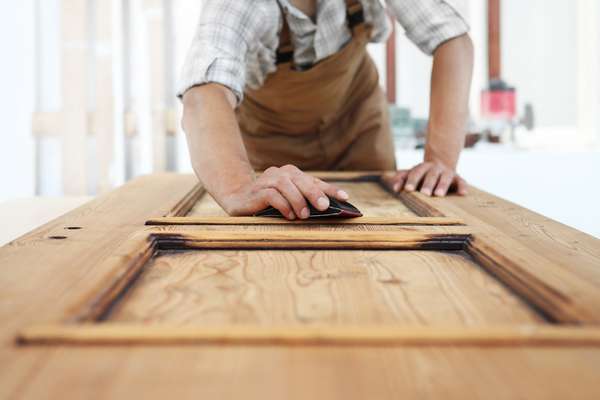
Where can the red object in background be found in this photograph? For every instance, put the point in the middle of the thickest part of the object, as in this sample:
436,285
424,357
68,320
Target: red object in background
391,64
499,103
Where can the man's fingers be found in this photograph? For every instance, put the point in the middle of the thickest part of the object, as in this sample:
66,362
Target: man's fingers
399,180
431,181
415,176
444,183
462,188
399,184
387,178
291,193
311,190
273,198
394,180
331,190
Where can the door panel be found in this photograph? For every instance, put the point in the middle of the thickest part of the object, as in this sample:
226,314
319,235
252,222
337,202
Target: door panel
406,273
369,197
318,287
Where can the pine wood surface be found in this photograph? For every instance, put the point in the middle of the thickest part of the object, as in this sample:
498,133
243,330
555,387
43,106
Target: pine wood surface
566,257
577,252
226,220
118,334
273,226
39,276
308,287
551,285
369,197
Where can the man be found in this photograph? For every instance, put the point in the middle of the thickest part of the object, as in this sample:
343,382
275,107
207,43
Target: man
287,86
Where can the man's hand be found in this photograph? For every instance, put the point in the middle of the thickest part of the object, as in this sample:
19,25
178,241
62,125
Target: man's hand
285,189
430,178
221,163
448,115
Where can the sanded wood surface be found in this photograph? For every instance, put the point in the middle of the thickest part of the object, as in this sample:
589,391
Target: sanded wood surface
307,287
564,261
206,206
576,252
356,336
237,221
42,273
369,197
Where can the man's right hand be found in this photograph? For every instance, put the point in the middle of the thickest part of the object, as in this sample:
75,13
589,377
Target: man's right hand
287,189
221,162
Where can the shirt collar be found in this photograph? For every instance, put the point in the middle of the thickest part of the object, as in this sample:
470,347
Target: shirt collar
293,11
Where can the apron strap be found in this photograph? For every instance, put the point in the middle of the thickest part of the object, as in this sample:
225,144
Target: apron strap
354,14
285,53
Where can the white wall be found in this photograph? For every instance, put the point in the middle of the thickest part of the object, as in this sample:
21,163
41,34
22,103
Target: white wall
539,55
413,68
16,73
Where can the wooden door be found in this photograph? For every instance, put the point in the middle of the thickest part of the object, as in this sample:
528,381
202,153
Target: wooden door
474,286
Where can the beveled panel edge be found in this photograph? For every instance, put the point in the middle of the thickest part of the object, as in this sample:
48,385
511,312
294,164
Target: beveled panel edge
187,202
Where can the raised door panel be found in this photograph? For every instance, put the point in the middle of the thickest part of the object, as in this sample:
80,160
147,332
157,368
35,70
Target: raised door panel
369,197
319,287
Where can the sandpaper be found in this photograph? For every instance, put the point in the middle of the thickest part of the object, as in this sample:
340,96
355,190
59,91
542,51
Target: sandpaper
337,209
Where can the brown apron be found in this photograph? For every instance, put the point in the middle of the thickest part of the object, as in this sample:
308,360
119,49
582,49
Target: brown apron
333,116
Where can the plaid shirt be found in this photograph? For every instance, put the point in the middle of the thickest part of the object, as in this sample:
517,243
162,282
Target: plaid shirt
236,40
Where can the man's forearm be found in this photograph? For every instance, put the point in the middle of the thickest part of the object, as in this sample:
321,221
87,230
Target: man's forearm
449,109
221,162
216,148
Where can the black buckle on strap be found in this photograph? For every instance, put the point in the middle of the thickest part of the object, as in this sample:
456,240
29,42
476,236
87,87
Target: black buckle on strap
284,57
355,17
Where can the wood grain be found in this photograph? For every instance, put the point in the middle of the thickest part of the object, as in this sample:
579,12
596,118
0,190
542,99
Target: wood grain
187,202
369,197
59,261
419,204
336,287
408,220
39,276
552,265
324,226
205,206
122,334
438,238
130,257
540,281
574,251
233,372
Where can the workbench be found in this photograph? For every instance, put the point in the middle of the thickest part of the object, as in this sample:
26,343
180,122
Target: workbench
151,291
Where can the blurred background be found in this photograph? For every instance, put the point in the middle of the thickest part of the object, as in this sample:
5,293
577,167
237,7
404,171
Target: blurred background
88,102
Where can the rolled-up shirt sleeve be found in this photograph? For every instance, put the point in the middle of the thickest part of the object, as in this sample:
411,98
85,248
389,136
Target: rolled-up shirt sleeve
219,48
429,23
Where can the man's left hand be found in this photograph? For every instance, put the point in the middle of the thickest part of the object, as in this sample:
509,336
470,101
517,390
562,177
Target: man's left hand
430,178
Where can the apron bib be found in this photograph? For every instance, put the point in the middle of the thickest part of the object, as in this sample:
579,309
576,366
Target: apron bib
333,116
